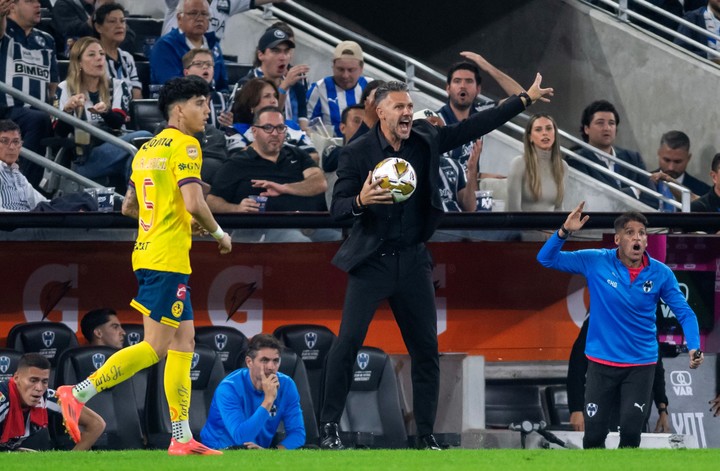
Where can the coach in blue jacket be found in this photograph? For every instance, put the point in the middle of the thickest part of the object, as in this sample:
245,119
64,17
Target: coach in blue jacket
625,286
385,254
250,403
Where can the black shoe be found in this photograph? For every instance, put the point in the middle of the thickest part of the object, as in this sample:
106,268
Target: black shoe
329,437
428,442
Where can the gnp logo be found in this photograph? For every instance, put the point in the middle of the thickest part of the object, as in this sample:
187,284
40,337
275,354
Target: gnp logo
310,340
681,382
233,296
46,292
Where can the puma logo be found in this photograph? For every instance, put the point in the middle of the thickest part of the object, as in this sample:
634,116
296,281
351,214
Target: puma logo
640,407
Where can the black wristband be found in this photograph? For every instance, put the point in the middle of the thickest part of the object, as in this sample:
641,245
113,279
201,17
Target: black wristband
567,233
527,98
662,409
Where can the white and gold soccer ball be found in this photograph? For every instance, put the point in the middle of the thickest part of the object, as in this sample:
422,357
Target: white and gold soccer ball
398,176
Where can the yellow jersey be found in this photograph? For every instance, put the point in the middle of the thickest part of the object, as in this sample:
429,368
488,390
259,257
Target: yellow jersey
162,165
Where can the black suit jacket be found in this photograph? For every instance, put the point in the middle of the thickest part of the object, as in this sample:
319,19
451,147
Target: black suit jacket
361,155
698,187
625,155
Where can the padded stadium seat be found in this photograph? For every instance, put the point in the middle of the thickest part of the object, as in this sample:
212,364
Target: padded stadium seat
206,374
512,403
373,416
9,359
236,71
558,411
291,365
143,70
145,114
134,333
118,406
312,344
49,339
228,343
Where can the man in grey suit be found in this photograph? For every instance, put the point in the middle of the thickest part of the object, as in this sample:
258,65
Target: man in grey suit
598,127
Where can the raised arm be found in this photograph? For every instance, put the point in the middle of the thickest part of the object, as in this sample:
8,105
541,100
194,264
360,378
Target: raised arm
507,83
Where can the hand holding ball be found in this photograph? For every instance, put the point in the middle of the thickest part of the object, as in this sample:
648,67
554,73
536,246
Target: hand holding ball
398,176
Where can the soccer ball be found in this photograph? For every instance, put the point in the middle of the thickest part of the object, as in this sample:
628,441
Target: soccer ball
398,176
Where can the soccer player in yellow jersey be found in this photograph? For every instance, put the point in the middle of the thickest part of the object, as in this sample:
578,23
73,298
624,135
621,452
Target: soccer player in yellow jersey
166,197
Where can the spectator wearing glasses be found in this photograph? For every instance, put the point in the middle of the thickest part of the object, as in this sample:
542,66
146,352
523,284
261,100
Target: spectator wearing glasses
193,18
257,94
16,193
200,62
285,176
220,12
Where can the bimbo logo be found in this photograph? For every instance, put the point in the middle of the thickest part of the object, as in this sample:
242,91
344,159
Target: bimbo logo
195,360
4,364
310,339
98,360
362,360
220,341
681,382
48,338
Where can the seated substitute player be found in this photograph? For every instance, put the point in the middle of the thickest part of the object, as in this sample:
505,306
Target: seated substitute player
101,327
250,403
165,195
625,286
24,404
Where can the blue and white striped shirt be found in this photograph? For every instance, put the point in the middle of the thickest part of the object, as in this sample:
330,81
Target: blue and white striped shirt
27,62
327,100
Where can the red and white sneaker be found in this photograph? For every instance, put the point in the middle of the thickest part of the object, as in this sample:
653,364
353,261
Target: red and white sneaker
193,447
71,408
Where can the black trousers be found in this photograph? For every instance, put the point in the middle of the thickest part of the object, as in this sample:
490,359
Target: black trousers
404,278
625,390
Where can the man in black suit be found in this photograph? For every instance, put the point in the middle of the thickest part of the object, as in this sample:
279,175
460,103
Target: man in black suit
710,202
673,157
385,255
598,127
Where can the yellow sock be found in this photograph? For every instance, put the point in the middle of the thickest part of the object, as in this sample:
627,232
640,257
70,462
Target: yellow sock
119,367
178,388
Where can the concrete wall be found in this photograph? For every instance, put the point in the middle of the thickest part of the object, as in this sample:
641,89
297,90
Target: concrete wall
585,54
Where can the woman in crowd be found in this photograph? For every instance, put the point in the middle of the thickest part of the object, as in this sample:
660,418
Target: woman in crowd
88,94
255,95
536,181
111,29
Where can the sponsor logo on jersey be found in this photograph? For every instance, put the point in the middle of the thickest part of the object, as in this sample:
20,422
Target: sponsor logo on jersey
192,151
181,291
647,286
191,166
32,71
177,309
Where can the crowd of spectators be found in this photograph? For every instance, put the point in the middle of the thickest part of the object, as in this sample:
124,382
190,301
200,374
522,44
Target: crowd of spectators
102,80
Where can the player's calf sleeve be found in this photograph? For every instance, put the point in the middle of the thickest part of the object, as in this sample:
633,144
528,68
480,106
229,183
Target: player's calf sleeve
177,391
119,367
